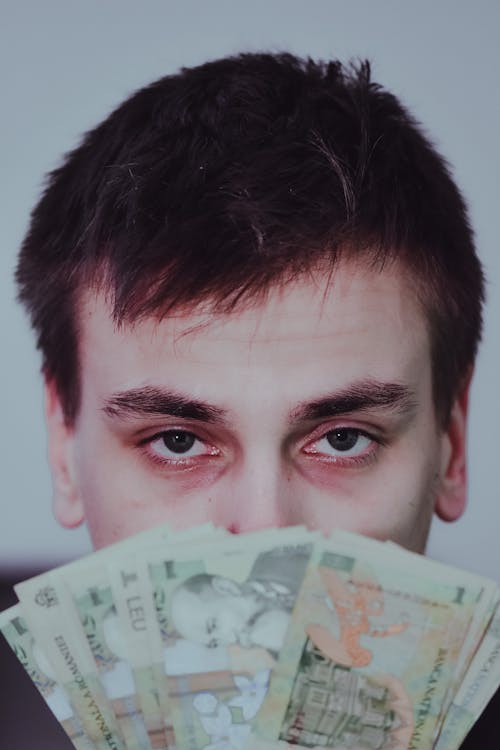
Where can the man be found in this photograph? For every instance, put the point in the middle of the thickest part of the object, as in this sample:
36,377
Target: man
258,302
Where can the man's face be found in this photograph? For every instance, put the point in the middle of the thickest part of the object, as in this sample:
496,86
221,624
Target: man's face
314,407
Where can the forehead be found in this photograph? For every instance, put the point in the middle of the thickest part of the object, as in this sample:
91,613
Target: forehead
359,318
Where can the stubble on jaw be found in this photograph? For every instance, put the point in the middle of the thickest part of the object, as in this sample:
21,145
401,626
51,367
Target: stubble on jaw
418,535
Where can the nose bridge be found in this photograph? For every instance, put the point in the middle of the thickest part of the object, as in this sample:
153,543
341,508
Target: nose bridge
258,492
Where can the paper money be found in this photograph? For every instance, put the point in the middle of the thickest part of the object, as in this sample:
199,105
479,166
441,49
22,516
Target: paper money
480,593
93,598
131,614
478,687
55,625
369,657
221,621
199,640
138,631
15,630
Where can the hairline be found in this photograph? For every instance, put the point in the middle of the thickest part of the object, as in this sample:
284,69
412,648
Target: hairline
207,305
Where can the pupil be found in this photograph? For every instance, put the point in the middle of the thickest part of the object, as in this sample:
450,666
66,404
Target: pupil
179,442
342,439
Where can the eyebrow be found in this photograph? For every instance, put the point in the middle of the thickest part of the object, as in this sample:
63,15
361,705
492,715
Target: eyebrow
153,401
360,396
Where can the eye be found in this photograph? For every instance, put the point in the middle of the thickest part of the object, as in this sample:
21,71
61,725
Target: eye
178,444
178,441
347,440
343,443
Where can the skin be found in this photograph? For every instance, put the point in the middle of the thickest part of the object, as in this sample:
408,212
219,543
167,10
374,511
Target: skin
275,381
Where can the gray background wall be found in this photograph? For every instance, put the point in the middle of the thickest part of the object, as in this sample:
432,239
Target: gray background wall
65,64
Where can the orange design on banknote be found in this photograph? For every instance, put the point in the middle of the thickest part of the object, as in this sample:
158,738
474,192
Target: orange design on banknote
354,606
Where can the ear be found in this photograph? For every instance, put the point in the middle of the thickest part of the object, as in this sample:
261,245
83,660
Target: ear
67,505
452,490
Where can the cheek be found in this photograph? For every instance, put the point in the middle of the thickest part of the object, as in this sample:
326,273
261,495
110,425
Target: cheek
393,500
114,505
406,508
121,499
328,477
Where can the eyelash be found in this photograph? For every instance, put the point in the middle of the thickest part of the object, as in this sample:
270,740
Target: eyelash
183,461
341,459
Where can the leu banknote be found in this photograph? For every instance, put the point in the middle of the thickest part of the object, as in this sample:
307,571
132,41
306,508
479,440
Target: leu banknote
272,639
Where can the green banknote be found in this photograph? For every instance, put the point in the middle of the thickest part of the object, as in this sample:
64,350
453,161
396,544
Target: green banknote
483,590
93,598
135,631
221,620
469,588
478,687
131,613
107,707
368,658
49,611
15,630
199,640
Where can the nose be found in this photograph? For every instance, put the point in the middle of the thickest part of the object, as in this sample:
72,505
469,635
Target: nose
258,494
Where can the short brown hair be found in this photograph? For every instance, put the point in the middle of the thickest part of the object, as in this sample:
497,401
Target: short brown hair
227,178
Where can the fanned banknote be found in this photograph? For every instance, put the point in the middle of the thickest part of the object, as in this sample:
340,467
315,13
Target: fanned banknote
15,629
199,640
